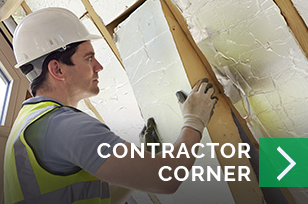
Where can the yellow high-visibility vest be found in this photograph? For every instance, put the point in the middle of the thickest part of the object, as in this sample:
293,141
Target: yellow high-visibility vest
25,181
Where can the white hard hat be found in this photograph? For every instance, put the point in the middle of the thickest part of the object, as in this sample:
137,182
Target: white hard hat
47,30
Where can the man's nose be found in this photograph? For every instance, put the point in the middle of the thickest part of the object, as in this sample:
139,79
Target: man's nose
97,67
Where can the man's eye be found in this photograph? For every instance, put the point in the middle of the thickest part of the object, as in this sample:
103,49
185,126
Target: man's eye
90,59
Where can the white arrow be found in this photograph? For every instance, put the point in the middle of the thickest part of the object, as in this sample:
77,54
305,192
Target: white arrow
292,163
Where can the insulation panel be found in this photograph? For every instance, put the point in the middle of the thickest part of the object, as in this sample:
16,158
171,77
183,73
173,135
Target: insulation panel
155,71
256,59
73,5
110,10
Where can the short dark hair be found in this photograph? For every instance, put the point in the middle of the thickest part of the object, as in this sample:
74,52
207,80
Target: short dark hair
61,55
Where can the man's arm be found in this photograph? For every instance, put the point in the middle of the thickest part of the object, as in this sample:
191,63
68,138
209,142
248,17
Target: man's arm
142,173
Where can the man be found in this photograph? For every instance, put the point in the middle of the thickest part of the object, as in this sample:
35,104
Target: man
51,154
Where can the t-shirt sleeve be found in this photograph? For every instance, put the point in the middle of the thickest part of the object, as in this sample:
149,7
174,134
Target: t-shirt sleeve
73,138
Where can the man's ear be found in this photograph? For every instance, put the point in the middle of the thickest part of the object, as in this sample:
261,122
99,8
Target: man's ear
55,70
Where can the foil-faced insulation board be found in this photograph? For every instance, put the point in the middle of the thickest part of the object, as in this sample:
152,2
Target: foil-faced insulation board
256,59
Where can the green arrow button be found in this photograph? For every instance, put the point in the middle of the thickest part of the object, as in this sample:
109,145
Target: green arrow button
283,162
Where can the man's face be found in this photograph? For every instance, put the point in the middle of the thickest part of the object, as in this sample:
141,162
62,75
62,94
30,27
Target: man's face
82,80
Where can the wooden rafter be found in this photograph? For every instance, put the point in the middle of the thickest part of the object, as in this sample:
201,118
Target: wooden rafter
26,8
102,29
93,109
110,27
221,128
295,22
300,32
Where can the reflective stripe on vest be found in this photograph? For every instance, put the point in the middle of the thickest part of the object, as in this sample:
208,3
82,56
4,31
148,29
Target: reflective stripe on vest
76,192
79,191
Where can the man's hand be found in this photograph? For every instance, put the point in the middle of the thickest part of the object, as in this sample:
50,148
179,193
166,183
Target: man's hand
149,134
197,107
141,173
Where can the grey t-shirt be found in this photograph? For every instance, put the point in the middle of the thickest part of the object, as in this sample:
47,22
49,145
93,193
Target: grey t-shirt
67,140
